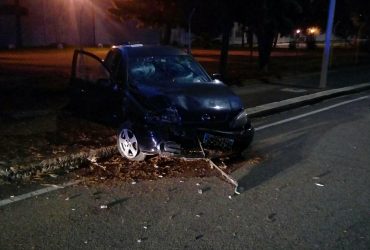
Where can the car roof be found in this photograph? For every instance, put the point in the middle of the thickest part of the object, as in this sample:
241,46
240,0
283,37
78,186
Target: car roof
138,50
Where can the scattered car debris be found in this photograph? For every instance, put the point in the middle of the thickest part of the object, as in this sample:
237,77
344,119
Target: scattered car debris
103,206
199,236
319,184
271,217
225,175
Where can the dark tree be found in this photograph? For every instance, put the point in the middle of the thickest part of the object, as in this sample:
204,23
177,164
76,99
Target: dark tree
164,14
17,11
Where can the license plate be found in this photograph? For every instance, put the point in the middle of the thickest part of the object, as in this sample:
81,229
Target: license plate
217,141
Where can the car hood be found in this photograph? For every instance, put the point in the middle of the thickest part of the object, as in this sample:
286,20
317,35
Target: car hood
194,101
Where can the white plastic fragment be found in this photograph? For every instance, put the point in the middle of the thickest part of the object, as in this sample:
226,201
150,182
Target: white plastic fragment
103,206
198,215
139,241
133,183
230,197
319,184
197,184
160,176
73,209
200,191
145,227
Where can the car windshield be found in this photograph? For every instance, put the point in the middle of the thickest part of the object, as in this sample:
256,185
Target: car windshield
165,69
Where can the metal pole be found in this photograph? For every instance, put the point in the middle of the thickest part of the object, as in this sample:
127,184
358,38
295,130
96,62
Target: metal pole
189,31
326,55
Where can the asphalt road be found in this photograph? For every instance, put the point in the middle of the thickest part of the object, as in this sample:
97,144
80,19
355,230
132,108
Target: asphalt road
305,186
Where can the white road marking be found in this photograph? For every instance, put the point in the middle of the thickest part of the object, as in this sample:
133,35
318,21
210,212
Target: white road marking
310,113
36,193
57,187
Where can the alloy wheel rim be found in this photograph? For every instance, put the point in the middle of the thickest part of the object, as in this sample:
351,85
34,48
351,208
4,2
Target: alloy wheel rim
128,143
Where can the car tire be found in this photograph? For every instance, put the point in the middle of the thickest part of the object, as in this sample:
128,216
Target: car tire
128,145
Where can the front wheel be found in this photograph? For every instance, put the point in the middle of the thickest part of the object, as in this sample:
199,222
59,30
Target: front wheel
128,145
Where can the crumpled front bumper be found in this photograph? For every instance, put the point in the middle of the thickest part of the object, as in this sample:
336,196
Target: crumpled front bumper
189,142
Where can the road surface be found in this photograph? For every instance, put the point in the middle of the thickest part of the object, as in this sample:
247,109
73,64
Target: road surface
305,186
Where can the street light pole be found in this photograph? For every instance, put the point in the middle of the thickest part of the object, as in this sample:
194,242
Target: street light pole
326,55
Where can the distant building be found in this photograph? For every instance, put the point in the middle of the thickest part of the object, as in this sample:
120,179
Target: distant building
71,22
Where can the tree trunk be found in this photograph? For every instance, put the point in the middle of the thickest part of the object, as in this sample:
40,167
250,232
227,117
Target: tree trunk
167,34
243,33
225,50
265,39
18,25
250,38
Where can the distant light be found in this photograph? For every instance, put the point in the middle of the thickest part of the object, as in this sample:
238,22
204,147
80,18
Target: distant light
313,31
298,31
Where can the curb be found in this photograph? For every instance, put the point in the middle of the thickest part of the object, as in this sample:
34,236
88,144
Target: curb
68,162
276,107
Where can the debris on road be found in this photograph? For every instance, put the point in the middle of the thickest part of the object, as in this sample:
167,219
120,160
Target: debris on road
319,184
199,236
200,191
225,175
271,217
103,206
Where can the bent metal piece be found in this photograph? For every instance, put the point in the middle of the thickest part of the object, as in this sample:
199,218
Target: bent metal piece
228,177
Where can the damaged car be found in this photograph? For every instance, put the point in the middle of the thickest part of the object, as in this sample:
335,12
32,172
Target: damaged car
163,100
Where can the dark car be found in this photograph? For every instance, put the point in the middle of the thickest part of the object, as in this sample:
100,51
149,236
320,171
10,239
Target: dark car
164,101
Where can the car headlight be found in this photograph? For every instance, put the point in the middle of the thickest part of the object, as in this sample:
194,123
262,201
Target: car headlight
240,120
169,115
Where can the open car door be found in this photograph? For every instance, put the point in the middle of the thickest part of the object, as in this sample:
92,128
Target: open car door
90,85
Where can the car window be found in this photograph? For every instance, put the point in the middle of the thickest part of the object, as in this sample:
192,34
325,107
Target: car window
165,70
